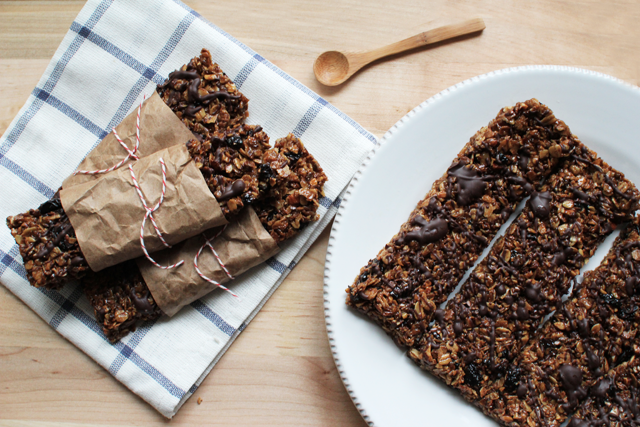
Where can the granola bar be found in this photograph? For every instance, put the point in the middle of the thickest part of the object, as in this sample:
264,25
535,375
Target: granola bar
484,328
292,182
614,401
230,162
204,97
596,329
120,299
402,287
48,245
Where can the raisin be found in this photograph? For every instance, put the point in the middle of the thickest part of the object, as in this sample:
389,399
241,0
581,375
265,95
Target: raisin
628,312
580,204
254,131
293,157
611,300
248,198
472,375
265,173
625,356
234,141
547,344
502,159
512,378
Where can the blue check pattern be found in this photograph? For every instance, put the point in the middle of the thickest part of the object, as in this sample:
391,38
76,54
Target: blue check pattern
176,31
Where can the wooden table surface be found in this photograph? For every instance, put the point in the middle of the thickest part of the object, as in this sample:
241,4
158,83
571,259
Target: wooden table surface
280,370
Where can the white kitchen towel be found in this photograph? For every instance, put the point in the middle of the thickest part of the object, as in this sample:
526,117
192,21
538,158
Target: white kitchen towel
114,53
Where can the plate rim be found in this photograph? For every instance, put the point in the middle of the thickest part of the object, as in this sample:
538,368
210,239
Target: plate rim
382,141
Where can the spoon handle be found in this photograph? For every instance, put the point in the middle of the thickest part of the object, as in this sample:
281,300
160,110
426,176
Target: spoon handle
428,37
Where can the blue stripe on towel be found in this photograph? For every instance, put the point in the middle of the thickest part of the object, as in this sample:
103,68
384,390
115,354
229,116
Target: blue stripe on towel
213,317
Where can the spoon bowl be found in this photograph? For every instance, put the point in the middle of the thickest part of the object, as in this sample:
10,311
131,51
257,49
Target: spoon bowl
333,68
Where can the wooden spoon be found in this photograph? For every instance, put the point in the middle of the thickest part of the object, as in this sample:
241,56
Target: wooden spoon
333,67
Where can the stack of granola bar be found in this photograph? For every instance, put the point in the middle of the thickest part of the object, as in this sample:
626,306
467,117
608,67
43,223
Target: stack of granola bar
283,184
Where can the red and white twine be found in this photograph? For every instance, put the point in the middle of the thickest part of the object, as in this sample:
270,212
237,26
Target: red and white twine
131,154
207,243
149,214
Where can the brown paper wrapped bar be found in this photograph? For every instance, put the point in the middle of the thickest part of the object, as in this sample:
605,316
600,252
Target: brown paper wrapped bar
46,239
107,213
244,244
159,128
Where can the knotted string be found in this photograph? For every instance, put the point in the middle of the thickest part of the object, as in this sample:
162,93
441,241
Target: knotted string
149,214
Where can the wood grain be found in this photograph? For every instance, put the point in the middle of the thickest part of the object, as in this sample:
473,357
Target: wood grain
280,370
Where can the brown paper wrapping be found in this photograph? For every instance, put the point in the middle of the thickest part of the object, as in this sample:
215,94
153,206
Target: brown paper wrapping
107,213
159,128
243,245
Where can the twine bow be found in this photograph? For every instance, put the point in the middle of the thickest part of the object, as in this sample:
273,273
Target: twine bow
207,243
149,214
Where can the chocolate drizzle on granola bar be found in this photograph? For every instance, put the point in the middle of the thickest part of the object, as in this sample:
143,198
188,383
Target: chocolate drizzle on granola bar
571,378
232,190
194,95
531,266
180,74
613,400
55,242
142,303
606,177
470,184
500,166
429,231
204,97
47,244
540,203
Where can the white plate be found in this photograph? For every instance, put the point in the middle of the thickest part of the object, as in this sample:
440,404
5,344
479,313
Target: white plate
386,387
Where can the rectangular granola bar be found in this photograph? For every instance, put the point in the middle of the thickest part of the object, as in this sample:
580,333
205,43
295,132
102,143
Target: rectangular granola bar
593,331
484,328
403,285
204,97
292,184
